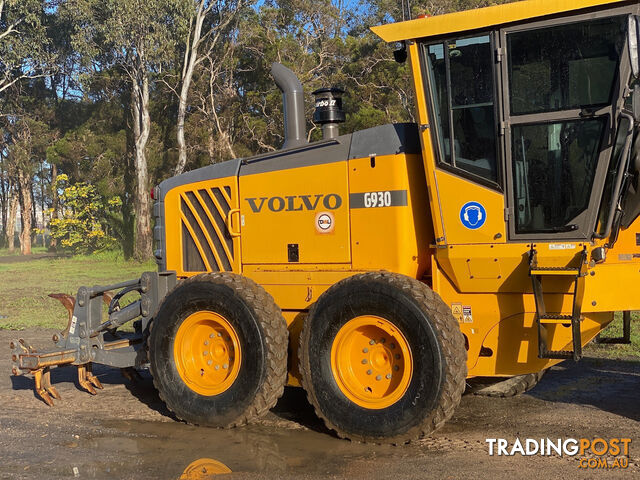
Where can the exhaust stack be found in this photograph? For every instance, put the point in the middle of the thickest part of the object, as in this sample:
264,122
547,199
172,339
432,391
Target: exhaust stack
295,133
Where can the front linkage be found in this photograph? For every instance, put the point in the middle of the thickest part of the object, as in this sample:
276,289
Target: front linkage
87,339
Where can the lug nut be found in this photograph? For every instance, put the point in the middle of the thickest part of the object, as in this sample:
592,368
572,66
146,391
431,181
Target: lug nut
396,368
397,356
217,367
211,335
382,340
225,366
365,350
369,372
388,376
206,342
219,334
364,361
372,342
205,353
393,345
379,377
209,362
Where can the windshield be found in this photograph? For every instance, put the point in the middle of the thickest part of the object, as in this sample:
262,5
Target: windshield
565,67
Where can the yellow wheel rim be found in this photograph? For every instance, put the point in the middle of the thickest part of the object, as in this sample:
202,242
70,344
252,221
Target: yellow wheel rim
371,362
207,353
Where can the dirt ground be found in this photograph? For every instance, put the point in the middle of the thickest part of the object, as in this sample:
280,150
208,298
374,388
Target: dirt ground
125,431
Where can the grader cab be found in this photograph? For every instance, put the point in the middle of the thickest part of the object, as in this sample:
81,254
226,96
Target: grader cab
382,268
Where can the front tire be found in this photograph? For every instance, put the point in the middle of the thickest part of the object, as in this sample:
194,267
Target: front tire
382,358
218,350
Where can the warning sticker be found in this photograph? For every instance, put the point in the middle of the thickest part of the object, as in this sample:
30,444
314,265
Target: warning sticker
466,314
456,309
562,246
72,327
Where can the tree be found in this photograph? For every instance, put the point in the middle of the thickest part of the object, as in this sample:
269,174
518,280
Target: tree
23,41
84,223
137,36
209,23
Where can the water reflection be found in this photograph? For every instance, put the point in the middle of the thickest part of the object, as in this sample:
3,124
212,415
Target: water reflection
204,468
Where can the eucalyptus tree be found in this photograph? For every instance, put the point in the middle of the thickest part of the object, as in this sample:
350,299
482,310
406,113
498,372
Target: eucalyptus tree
139,38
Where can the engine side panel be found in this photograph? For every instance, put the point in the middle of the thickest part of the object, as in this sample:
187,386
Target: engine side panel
199,225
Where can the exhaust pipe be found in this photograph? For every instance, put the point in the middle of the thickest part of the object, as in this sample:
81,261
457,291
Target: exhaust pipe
295,134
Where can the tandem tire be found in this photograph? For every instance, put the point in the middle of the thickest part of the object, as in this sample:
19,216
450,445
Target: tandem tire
382,359
218,350
510,387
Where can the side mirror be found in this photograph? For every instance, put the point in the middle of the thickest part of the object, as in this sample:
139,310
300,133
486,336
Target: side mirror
633,39
400,55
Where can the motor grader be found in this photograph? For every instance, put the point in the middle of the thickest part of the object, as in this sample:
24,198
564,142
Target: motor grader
380,269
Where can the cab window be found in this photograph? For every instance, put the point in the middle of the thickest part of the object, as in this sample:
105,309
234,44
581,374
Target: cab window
461,78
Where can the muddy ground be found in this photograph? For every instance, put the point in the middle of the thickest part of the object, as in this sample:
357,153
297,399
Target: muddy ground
125,431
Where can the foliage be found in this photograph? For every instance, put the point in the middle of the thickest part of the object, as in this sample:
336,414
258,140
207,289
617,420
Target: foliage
83,226
74,69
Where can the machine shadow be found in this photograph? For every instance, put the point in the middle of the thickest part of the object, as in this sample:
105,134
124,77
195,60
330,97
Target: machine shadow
293,406
606,384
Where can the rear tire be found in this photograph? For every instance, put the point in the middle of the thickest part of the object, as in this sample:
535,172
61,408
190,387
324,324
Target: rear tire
510,387
382,359
218,350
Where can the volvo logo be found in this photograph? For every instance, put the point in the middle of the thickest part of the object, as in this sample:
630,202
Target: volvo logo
295,203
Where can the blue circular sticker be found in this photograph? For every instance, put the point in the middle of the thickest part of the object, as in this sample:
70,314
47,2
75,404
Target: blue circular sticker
473,215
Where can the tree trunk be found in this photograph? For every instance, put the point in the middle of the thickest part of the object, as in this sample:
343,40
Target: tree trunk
11,224
4,200
54,202
141,127
189,63
26,202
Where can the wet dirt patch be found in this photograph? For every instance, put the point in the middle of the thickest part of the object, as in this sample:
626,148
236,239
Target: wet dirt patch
126,432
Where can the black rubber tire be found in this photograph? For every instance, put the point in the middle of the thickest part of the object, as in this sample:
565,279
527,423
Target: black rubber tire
263,336
505,388
438,353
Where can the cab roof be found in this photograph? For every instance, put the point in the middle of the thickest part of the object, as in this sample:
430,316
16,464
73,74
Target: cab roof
482,18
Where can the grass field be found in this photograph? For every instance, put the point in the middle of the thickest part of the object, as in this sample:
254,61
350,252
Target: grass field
24,285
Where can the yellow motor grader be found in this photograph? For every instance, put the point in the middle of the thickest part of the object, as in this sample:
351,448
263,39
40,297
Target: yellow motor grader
380,269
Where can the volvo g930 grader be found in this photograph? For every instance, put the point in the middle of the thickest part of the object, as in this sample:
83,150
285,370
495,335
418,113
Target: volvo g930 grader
380,269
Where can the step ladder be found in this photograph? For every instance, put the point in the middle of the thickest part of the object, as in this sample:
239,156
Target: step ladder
543,319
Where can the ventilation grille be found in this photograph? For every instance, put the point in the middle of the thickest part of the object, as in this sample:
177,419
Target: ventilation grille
207,245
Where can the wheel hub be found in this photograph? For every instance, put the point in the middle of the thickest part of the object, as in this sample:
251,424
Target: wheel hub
207,353
371,362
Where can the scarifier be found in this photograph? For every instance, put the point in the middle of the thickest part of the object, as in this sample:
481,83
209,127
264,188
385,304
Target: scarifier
381,269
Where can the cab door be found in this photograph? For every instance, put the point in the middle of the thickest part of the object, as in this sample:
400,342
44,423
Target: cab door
563,82
463,107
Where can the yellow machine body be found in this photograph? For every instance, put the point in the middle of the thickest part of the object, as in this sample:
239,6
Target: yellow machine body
300,220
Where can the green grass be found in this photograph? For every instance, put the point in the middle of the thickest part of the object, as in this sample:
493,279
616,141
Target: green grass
614,330
24,285
4,252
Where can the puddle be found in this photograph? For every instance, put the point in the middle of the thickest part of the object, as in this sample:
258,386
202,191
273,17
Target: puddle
178,451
